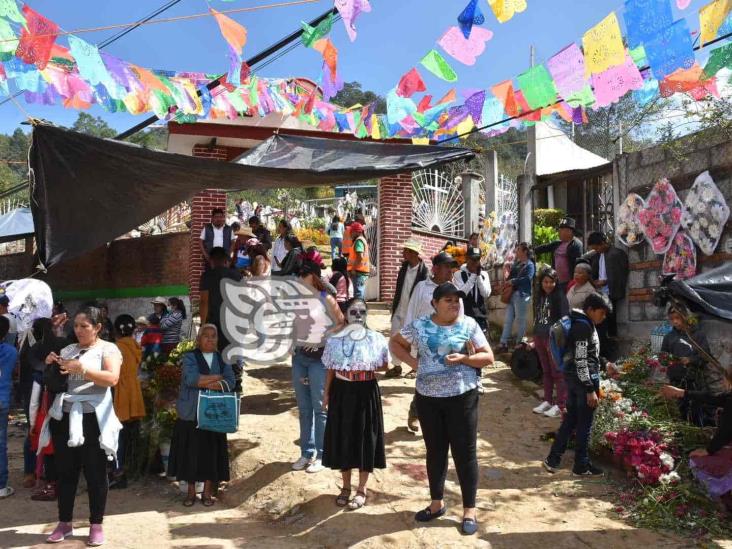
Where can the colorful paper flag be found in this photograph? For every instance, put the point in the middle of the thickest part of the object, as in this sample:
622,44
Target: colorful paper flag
711,18
470,16
350,10
504,92
3,81
397,107
37,39
538,87
645,18
25,76
420,140
719,58
233,32
9,10
682,4
474,104
647,93
672,49
603,46
465,50
312,34
692,81
88,61
330,54
8,40
504,10
437,65
615,82
568,71
493,111
410,83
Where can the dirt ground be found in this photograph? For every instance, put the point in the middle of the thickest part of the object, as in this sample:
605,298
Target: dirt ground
269,505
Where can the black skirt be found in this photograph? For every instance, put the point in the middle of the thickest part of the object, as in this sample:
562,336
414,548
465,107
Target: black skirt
354,432
197,455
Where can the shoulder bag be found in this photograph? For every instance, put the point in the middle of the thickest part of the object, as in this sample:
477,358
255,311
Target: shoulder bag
218,411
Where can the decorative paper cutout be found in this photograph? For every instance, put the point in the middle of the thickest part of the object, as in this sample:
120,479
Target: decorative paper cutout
37,39
682,4
537,87
568,70
670,50
350,10
9,10
437,65
603,46
330,54
706,213
630,231
661,217
398,108
504,10
638,54
504,92
692,81
711,18
88,61
645,18
474,104
8,40
719,58
312,34
614,83
492,111
470,16
410,83
648,92
233,32
680,259
26,77
465,50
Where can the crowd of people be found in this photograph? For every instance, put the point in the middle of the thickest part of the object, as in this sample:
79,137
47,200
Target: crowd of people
82,394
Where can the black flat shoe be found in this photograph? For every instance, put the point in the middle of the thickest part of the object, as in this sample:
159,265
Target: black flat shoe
470,526
425,515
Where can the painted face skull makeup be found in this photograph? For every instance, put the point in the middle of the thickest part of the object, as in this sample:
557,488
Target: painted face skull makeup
357,313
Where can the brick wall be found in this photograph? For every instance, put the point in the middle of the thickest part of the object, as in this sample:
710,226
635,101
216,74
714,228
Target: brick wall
637,172
201,207
129,263
432,244
395,227
14,266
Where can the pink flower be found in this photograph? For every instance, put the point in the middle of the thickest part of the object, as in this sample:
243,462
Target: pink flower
676,216
659,243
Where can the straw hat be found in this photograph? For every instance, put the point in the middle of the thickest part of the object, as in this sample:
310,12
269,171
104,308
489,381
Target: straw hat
245,231
412,245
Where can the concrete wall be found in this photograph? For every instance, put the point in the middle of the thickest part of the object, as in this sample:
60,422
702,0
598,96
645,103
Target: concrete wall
20,265
638,172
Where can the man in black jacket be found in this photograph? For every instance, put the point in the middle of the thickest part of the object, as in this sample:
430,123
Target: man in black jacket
412,271
565,251
582,375
610,276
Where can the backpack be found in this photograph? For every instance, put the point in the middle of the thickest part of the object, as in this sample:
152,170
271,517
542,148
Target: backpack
558,336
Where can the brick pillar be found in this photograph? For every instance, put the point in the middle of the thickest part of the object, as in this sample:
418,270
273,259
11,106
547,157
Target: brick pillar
201,207
395,226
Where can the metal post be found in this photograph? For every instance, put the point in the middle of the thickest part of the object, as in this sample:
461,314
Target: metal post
490,181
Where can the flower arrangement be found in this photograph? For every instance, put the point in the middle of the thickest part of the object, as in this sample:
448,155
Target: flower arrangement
317,237
706,213
680,259
661,217
167,379
458,253
646,453
630,231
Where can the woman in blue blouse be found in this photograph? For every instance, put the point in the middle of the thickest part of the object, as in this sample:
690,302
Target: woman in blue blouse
451,350
521,278
197,455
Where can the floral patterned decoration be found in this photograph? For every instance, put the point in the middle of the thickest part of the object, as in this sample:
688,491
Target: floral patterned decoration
680,259
630,231
706,213
661,217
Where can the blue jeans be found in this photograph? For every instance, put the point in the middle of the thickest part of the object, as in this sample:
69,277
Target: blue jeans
359,285
336,247
308,378
4,411
579,416
517,308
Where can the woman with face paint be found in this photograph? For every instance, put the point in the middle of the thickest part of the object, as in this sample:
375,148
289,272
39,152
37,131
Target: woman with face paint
451,350
354,432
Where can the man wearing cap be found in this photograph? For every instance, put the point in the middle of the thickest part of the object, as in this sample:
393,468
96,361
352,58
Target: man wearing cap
420,304
473,281
412,272
565,251
358,261
12,334
216,234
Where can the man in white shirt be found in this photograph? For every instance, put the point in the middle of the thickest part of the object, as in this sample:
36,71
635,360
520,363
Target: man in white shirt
216,234
13,328
420,304
412,271
473,281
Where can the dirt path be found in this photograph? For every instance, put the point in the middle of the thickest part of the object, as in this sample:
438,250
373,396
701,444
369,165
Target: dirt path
268,505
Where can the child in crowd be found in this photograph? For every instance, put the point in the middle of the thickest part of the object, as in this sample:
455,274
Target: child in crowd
340,281
152,338
549,306
582,376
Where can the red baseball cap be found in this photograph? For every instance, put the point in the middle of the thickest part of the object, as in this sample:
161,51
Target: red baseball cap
356,226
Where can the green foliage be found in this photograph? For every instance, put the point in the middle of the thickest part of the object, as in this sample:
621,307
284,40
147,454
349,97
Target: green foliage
154,138
549,217
13,159
317,223
544,235
352,94
90,125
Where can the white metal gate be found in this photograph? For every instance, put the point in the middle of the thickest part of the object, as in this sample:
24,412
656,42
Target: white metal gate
437,204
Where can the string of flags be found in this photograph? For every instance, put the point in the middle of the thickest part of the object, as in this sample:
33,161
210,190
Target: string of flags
654,57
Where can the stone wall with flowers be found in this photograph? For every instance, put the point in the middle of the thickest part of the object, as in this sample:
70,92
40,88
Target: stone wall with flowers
681,163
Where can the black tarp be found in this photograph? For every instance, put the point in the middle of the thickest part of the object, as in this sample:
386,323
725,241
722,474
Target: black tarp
16,224
88,191
709,292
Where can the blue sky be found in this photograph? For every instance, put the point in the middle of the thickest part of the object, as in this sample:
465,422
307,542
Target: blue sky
391,40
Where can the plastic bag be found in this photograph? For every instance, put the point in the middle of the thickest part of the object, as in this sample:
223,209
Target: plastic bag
706,213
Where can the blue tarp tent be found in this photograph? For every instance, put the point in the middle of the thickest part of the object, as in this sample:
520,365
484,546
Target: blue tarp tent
16,225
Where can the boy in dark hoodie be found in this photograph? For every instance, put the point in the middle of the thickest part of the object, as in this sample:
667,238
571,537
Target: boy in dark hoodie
582,363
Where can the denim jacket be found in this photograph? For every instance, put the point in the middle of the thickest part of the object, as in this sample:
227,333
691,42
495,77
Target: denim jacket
522,275
187,405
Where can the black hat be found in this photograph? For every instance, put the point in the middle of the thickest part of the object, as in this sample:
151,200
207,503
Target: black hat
568,223
473,253
446,289
443,258
4,300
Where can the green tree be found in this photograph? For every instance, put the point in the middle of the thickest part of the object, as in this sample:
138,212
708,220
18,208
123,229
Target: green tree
90,125
154,138
352,94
